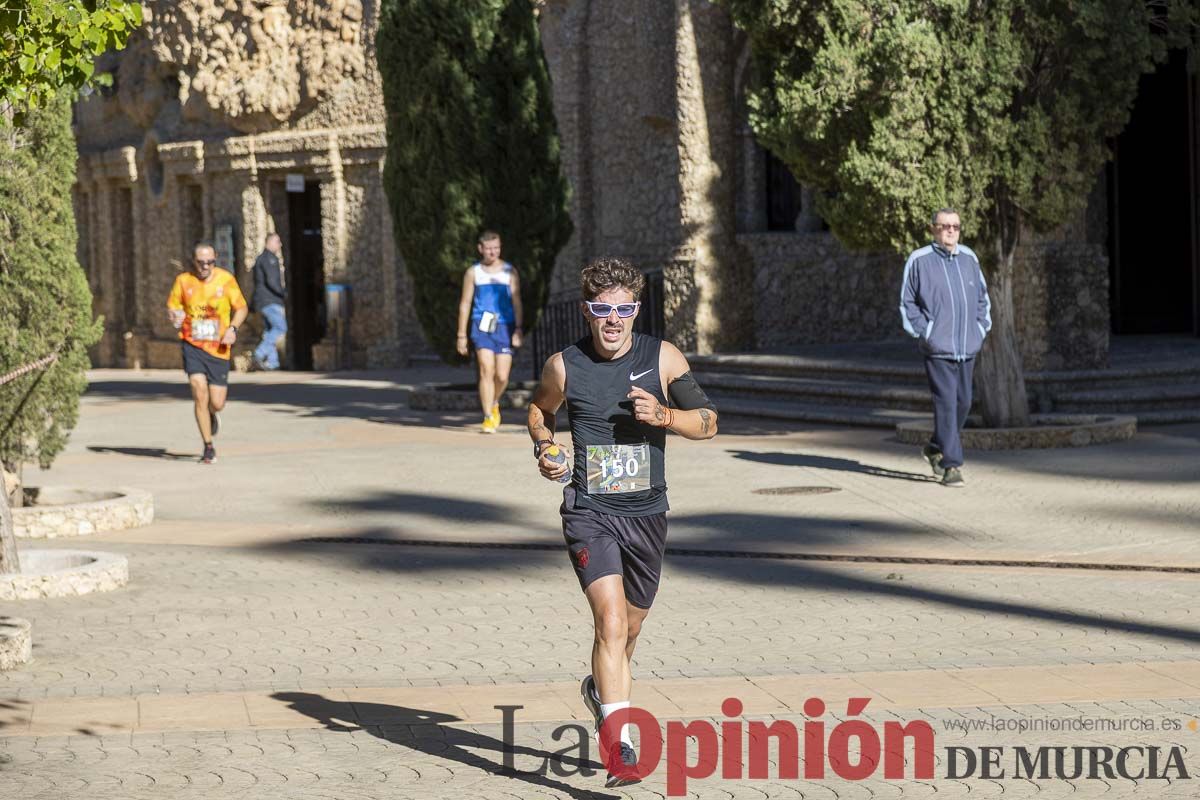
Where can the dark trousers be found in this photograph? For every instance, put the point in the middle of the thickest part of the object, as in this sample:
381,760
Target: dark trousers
950,383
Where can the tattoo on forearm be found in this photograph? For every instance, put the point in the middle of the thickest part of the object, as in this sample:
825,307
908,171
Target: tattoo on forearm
705,420
541,424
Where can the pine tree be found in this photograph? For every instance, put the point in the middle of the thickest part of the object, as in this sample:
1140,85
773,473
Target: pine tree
1001,109
472,144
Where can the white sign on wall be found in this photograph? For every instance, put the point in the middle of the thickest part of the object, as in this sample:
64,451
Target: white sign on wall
295,183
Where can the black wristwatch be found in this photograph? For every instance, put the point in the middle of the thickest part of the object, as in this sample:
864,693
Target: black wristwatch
537,446
234,329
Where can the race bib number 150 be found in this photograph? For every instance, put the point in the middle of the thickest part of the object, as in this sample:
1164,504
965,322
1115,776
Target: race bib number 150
618,468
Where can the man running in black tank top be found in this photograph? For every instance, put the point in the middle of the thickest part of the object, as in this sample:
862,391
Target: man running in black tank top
616,383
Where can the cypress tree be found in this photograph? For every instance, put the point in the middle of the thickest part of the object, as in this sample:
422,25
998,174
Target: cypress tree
45,303
472,144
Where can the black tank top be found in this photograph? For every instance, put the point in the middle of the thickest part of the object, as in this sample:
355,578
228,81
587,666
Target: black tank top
599,413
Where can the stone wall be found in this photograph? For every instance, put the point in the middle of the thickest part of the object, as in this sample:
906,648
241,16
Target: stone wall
644,99
808,289
238,183
1061,293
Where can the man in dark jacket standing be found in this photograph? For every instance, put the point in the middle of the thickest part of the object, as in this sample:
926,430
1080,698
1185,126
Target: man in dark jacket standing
944,304
268,301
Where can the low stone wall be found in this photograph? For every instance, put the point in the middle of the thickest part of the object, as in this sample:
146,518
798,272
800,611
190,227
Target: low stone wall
60,512
1047,431
64,573
16,642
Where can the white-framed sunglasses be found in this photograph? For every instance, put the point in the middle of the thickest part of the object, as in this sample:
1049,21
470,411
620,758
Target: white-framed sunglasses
601,310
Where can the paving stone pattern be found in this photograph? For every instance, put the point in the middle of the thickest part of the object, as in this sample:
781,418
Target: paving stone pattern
226,596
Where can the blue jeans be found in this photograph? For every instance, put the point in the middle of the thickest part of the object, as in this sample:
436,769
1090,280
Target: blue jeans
276,326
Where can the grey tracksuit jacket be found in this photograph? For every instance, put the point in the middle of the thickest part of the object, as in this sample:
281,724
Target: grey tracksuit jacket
944,302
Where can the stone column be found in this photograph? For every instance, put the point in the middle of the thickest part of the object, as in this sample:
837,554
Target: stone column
708,305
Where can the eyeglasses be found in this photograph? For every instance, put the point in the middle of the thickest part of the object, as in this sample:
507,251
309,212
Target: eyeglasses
944,227
601,310
208,263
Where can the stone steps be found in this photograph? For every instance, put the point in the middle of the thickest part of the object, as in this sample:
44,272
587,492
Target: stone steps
862,416
909,372
816,391
903,373
1163,402
861,392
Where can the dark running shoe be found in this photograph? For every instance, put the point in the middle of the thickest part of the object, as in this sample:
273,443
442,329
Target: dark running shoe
933,457
591,699
210,455
953,478
214,422
624,763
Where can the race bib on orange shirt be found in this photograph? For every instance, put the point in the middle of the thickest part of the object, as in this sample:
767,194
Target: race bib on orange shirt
208,306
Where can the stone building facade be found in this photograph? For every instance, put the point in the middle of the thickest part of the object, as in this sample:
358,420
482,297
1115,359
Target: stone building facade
198,140
227,122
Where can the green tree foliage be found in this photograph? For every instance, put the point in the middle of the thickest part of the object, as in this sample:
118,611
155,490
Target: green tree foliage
49,45
45,304
472,144
1000,108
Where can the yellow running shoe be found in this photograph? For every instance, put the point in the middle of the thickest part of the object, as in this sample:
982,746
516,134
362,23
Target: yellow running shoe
496,414
489,425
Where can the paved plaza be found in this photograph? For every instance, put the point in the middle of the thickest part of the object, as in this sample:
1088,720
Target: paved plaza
336,608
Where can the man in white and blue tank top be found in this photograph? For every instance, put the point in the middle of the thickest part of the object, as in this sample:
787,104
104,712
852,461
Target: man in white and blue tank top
489,319
623,391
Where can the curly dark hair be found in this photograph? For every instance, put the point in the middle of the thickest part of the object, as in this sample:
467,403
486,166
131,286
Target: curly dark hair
601,274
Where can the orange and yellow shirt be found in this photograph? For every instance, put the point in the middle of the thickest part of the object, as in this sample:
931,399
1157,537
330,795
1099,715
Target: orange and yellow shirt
208,306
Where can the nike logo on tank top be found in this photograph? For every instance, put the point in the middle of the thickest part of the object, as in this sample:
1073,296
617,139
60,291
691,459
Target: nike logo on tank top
618,461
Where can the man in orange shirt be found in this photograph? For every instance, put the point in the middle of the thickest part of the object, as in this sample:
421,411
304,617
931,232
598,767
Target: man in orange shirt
200,306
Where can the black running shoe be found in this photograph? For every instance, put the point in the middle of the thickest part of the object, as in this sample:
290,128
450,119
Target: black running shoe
591,699
214,422
934,457
210,455
953,478
624,774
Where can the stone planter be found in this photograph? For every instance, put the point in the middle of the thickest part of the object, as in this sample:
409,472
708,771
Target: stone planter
60,511
1048,430
64,573
465,396
16,642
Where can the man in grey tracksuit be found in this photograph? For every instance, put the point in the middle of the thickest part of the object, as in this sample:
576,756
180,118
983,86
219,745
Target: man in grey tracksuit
944,304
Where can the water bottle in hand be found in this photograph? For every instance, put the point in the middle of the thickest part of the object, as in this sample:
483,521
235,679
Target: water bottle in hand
555,453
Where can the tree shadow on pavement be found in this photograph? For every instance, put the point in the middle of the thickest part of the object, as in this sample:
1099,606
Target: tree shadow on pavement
145,452
374,551
421,504
810,576
383,403
829,462
429,732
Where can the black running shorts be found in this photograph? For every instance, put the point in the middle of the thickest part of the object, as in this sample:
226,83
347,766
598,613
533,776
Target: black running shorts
198,362
604,544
